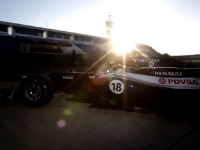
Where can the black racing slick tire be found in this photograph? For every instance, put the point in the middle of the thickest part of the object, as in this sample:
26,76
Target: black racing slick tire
36,91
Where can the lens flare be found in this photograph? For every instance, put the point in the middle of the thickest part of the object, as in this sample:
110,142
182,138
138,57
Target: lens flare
61,123
68,112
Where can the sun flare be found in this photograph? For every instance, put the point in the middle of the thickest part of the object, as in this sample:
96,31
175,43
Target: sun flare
122,44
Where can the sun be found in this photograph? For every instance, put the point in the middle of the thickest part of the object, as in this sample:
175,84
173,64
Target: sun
122,44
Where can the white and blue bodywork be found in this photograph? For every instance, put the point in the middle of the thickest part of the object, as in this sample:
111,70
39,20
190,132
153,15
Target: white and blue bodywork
150,87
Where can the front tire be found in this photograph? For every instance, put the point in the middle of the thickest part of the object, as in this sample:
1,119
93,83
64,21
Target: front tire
36,91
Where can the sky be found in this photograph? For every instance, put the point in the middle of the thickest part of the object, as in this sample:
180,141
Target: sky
169,26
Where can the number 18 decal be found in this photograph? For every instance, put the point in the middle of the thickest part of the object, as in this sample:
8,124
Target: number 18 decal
116,86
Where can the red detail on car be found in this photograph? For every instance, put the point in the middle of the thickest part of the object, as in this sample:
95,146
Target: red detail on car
182,81
99,79
162,80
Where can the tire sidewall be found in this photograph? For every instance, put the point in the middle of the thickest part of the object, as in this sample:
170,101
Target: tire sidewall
46,86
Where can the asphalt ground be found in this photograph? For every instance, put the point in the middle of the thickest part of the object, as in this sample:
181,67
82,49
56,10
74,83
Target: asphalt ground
66,124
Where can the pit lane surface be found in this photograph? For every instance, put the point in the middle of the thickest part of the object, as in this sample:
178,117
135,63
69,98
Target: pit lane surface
67,124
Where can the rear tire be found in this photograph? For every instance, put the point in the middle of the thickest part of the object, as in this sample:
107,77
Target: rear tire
36,91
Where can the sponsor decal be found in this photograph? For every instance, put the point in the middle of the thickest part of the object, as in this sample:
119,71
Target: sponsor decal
162,80
146,60
151,64
91,77
183,81
178,81
116,86
168,73
119,74
68,77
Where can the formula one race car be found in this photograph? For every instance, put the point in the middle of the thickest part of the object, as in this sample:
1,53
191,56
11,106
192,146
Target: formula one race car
154,83
126,88
151,80
149,88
